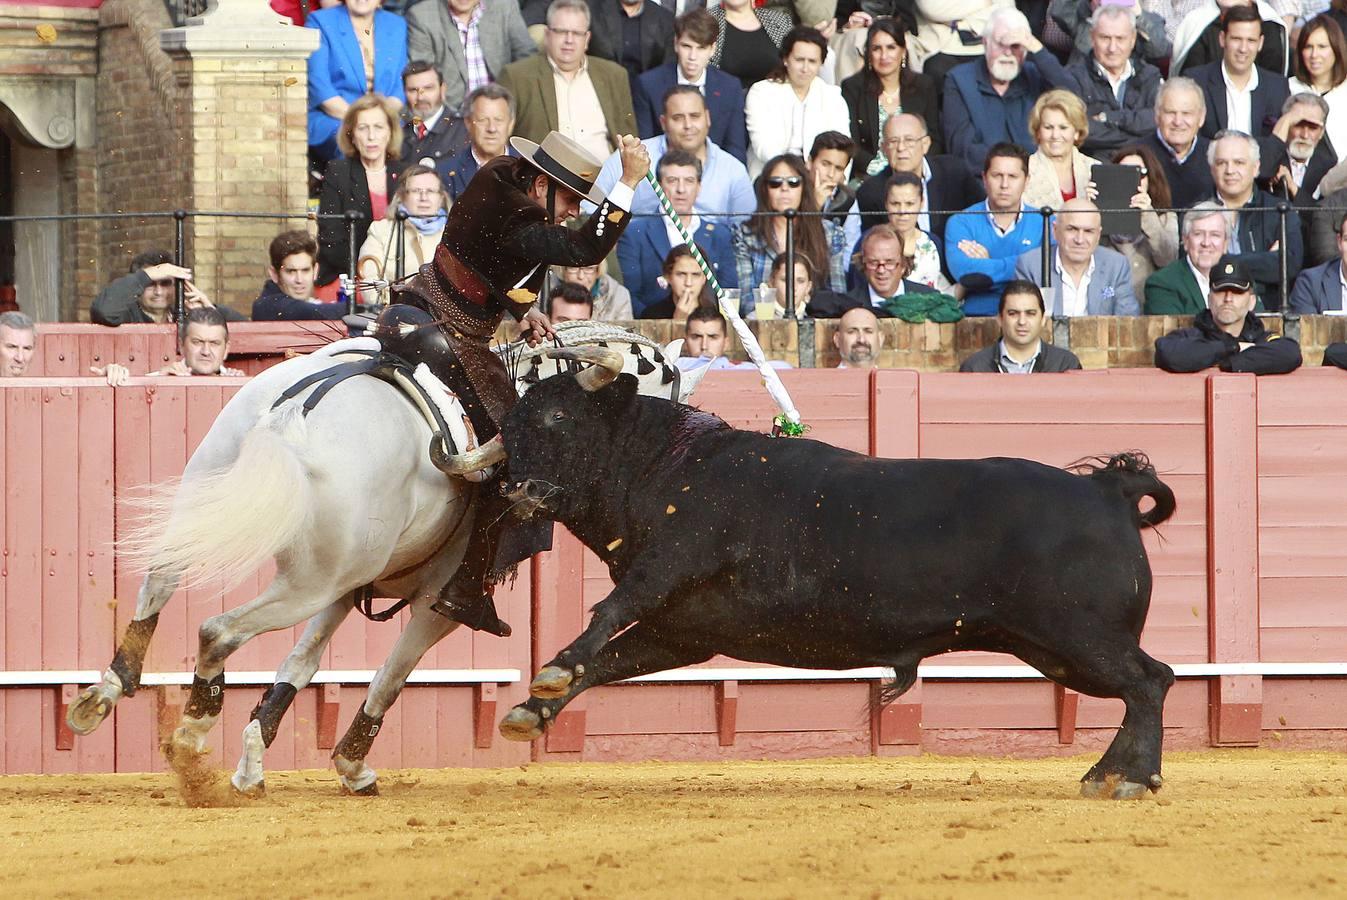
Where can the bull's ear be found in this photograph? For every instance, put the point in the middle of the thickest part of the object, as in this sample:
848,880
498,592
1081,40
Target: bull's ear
619,395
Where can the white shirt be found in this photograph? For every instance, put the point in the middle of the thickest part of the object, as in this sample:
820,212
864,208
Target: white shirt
924,220
1010,367
1237,101
1074,297
579,111
878,300
1342,280
692,223
699,84
1203,282
1116,84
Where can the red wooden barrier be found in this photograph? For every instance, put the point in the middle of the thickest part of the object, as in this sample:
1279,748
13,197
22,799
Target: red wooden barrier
1239,577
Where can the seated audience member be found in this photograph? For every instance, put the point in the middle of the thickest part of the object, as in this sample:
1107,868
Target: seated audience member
1228,334
904,205
636,34
749,40
785,184
489,114
803,286
793,105
988,102
362,50
421,197
1234,165
569,302
1118,87
1197,40
1180,111
1087,279
705,335
885,269
829,159
1157,244
726,195
597,92
687,287
886,87
18,340
642,249
1307,157
433,131
695,34
362,181
982,246
1321,69
1181,288
858,339
146,294
288,294
612,301
947,33
203,342
1241,96
946,182
469,42
1139,35
1322,288
1058,171
1021,350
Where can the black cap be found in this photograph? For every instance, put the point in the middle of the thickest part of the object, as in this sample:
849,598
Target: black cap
1230,274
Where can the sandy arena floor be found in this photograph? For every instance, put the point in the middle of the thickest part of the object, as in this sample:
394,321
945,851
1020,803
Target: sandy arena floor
1227,824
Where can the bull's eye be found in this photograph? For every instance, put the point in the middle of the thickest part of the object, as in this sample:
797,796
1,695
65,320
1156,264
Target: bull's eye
558,415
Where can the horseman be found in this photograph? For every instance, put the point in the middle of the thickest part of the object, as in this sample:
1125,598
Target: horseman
501,236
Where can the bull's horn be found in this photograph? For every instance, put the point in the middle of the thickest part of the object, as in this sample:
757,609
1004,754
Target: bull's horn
461,464
607,364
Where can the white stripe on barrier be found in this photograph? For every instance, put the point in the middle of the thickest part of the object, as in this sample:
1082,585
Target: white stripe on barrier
765,673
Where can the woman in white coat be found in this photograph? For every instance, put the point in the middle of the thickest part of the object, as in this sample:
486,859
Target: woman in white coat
422,198
792,106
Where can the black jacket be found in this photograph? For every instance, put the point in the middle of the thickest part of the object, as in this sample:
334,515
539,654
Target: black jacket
830,305
274,305
444,141
1336,355
1124,123
952,187
1050,359
1261,228
345,187
1205,345
656,26
119,303
1207,49
919,98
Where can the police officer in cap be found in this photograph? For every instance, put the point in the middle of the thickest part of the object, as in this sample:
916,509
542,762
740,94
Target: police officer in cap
1227,333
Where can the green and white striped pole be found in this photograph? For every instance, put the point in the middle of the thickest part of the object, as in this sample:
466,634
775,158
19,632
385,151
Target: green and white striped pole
788,422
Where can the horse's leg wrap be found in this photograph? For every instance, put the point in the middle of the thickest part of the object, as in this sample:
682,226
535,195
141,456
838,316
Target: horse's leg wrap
359,737
206,699
130,658
271,709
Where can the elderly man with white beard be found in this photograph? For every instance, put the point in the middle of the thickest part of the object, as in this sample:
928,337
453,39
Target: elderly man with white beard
988,103
1308,156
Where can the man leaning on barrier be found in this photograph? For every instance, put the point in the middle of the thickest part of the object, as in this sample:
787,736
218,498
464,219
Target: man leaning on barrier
18,340
1020,350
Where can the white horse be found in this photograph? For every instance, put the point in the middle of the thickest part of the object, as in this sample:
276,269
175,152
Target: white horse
341,498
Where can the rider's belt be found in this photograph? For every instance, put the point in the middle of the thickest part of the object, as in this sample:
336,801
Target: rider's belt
465,281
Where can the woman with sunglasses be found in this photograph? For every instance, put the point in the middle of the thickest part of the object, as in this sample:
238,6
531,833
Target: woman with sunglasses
1321,68
784,185
422,199
886,87
792,106
1158,243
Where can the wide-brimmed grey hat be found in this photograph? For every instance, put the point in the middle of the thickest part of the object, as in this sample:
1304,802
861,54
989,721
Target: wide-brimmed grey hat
565,160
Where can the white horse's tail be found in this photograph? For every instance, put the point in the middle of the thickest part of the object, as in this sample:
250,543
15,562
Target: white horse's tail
225,523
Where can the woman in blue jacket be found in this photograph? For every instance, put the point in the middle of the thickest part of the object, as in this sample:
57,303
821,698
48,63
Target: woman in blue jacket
363,50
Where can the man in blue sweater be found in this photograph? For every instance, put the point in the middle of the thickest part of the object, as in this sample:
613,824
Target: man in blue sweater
983,242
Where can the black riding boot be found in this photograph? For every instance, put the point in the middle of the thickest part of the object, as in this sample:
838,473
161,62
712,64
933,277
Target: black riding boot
467,596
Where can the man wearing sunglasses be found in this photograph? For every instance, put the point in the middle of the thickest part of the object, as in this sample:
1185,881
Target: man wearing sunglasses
147,293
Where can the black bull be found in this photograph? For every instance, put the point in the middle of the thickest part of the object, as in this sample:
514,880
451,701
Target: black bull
796,553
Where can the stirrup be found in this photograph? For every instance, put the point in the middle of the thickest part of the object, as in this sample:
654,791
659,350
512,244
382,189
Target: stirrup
481,617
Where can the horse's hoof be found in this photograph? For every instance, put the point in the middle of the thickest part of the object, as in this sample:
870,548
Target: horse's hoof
89,710
521,724
1129,790
1114,787
251,792
369,790
552,683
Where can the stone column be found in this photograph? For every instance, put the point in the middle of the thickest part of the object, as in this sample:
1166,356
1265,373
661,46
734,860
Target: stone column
243,69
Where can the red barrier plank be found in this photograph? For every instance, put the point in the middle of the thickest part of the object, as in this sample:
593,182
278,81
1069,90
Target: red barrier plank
1297,450
834,404
1311,398
58,355
894,404
1313,550
1309,499
24,574
1113,398
1173,448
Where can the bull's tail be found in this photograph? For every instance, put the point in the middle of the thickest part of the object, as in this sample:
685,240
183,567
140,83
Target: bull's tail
225,523
1134,475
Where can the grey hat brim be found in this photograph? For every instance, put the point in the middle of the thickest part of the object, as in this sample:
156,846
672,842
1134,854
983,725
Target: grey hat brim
528,150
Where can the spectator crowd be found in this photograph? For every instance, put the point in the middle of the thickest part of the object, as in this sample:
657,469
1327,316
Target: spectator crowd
911,158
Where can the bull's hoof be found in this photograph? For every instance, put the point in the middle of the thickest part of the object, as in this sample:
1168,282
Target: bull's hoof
521,724
90,709
1113,788
552,683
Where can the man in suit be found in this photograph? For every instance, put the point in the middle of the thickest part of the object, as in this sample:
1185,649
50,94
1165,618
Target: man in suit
1257,237
1181,288
490,119
562,89
1239,95
1020,350
636,34
695,34
431,131
468,41
1323,288
884,267
947,182
1088,280
648,240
